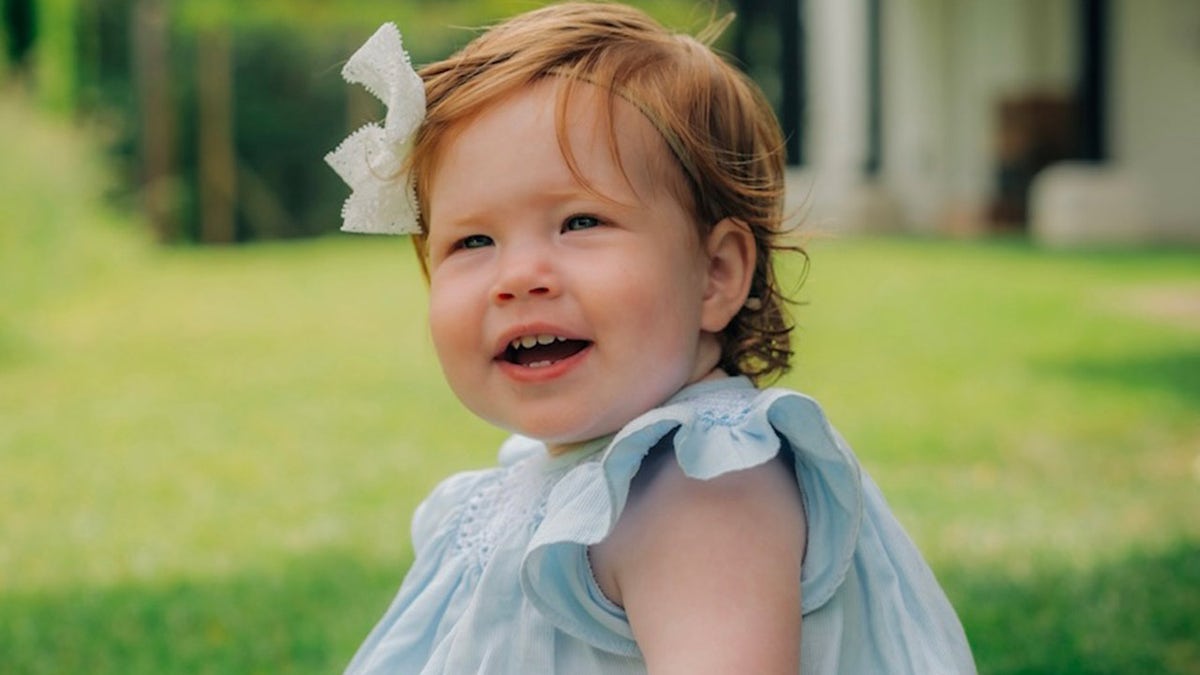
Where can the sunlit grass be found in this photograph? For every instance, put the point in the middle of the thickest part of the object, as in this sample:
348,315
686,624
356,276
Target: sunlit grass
262,403
1010,405
208,457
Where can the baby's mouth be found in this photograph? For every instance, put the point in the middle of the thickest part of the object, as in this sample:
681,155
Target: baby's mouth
539,351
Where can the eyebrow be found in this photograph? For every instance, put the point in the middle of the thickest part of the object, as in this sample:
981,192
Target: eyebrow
577,192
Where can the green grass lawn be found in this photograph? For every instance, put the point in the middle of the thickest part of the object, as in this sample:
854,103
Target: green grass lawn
208,457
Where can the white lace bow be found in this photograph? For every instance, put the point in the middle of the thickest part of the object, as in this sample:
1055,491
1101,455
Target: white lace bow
383,198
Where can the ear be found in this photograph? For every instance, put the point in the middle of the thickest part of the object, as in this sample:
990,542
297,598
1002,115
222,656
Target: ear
731,254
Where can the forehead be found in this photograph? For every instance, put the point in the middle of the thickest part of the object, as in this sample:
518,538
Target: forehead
581,133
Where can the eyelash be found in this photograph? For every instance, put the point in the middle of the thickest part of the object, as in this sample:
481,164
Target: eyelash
468,241
473,241
593,221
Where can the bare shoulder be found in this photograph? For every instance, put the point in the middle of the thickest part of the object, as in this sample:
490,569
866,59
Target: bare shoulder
664,503
697,560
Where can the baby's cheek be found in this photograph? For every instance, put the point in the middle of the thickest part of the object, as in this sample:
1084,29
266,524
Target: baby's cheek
449,326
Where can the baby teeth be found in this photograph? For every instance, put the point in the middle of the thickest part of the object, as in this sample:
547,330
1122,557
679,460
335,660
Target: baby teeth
528,341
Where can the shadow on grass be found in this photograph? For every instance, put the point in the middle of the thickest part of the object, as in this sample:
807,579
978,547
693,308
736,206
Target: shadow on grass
308,617
1139,615
1175,373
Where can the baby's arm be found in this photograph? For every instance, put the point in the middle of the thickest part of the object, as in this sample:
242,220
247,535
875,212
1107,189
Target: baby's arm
709,571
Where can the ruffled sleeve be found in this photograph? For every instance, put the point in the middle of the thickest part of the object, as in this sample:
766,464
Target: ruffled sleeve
715,428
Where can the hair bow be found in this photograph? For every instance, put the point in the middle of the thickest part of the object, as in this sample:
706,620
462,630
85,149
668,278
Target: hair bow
383,198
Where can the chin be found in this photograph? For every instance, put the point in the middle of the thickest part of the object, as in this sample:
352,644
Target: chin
557,434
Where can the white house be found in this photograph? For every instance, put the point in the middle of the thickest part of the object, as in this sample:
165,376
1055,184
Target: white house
940,116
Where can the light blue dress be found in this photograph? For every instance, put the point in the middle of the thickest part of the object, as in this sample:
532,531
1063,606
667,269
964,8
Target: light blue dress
501,582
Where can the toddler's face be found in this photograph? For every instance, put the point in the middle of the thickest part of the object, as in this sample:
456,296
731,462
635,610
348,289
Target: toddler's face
555,312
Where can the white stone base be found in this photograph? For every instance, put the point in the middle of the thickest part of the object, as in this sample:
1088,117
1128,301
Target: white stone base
1074,204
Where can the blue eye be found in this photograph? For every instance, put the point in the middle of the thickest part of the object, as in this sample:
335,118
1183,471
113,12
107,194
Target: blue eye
475,241
580,223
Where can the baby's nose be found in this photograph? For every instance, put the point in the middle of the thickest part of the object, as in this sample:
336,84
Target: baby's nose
531,274
510,295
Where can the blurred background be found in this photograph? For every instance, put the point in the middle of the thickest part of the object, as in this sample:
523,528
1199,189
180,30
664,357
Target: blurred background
217,414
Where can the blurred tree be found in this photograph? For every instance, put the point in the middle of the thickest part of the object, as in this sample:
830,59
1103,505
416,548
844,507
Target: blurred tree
55,53
217,159
155,111
16,31
221,110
